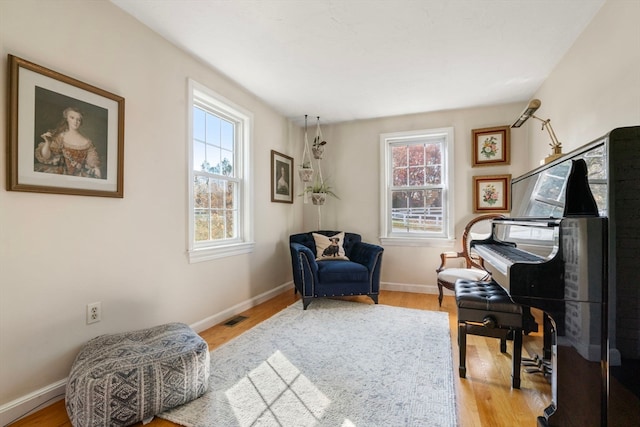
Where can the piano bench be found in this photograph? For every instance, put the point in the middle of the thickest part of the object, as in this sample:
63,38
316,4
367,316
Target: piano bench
486,309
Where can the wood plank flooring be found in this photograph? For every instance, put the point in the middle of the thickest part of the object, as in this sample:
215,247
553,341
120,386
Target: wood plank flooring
484,398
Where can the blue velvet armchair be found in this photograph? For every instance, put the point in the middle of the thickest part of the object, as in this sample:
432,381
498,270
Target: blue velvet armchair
359,275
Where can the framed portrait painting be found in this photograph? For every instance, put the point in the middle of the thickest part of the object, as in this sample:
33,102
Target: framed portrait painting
281,178
491,193
65,136
491,146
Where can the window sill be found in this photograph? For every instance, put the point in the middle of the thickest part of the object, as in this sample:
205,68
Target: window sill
217,252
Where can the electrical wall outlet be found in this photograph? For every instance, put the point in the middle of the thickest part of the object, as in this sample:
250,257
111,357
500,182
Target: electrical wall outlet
94,312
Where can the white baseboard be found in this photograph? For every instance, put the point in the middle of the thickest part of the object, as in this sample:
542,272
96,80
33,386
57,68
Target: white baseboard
25,405
239,308
408,287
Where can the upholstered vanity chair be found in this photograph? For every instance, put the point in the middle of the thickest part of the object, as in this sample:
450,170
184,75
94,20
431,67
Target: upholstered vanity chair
333,263
477,228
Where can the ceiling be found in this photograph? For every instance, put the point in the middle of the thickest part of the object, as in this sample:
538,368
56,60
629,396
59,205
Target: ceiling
356,59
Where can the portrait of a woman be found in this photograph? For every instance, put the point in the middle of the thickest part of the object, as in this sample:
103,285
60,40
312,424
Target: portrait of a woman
66,150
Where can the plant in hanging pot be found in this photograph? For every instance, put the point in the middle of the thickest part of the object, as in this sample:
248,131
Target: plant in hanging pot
318,148
319,192
306,172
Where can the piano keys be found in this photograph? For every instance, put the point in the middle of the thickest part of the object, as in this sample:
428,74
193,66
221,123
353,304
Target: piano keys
570,249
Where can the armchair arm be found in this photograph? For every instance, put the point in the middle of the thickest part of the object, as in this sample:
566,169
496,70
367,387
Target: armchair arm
448,255
305,268
370,256
471,262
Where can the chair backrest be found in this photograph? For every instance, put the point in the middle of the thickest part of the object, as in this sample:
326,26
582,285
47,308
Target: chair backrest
350,239
478,228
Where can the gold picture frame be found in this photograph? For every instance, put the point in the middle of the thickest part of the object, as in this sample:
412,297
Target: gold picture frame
64,136
281,178
491,146
491,193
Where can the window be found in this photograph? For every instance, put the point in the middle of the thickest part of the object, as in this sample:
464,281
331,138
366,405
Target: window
219,185
416,183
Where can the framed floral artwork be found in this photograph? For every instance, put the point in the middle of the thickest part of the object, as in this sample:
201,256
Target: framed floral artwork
64,136
281,178
491,193
490,146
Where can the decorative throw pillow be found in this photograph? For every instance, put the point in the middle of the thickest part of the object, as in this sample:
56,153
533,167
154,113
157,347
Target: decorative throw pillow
329,248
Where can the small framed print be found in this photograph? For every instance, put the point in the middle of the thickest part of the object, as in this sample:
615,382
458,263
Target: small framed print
491,193
65,136
490,146
281,178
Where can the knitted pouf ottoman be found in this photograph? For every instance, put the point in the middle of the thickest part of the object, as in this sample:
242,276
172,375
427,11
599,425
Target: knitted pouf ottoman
120,379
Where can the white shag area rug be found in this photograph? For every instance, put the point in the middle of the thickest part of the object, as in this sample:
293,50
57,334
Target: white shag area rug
339,363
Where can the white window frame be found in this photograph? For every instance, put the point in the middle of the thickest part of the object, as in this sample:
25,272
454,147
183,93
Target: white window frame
200,95
387,236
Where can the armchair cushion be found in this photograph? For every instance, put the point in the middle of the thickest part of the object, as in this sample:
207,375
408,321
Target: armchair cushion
331,272
329,247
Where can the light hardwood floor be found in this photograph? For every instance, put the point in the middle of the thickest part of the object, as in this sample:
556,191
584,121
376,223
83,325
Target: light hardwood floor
485,398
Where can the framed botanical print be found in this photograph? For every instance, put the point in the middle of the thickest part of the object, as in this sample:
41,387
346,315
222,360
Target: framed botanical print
490,146
491,193
281,178
65,136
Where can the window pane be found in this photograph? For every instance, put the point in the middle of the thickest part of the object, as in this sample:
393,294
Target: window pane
213,130
433,175
213,158
399,200
416,155
199,156
230,195
227,163
416,175
226,135
399,154
399,177
217,225
216,193
231,221
198,124
433,154
201,225
201,192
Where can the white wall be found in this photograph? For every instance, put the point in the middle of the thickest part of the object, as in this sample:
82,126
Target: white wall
596,86
60,252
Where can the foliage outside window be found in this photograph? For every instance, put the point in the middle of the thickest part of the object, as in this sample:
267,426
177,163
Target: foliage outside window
416,184
219,202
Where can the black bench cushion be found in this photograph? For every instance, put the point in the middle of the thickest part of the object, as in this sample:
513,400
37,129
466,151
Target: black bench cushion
486,296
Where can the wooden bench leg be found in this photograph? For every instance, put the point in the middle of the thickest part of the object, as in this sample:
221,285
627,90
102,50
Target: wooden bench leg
462,345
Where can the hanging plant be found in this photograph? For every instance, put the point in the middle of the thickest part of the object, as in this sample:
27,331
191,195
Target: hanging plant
318,142
319,188
318,148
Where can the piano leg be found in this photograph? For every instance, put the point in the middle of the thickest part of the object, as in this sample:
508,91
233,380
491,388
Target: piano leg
517,356
528,321
547,337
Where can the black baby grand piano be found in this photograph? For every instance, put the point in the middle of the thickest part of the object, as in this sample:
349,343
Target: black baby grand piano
572,250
